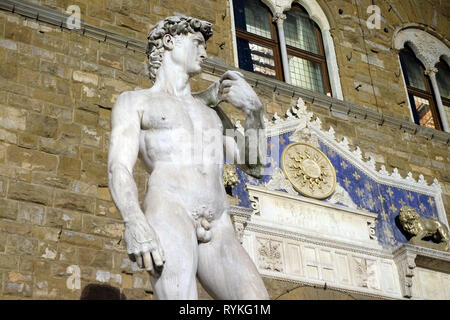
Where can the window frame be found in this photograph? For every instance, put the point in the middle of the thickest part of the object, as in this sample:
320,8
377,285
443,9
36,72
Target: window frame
429,94
310,56
272,43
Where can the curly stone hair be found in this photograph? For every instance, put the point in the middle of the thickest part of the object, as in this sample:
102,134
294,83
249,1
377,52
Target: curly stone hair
174,26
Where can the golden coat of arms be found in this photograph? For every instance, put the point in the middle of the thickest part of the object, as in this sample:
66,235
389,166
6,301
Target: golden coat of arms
309,170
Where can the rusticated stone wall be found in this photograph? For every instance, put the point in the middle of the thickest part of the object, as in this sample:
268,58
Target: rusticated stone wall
57,89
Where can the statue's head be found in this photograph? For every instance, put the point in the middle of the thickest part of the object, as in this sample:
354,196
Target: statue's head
170,33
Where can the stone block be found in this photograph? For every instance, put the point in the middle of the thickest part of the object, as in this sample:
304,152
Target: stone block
31,159
68,220
30,193
95,258
3,237
84,77
110,60
24,102
103,227
48,250
74,201
104,194
62,146
9,262
30,78
83,188
46,233
69,167
94,173
85,118
8,136
81,240
17,244
43,126
108,209
67,253
28,141
13,227
63,114
8,71
130,23
8,209
12,118
45,95
18,284
3,186
8,44
50,180
31,213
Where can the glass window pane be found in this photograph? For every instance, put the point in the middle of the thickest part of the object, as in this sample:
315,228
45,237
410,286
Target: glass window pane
263,60
257,19
443,80
412,71
252,16
306,74
256,58
300,31
424,113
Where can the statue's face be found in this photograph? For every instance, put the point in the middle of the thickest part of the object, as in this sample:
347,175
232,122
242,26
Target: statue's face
190,51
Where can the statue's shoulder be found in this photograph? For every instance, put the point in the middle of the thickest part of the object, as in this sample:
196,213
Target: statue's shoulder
133,97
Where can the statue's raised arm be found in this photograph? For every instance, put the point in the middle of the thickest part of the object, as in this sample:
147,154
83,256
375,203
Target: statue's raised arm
233,88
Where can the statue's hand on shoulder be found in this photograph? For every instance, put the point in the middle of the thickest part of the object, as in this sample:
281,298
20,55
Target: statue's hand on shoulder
235,90
143,246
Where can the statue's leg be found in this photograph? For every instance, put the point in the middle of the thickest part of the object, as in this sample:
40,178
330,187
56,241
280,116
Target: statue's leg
224,268
178,240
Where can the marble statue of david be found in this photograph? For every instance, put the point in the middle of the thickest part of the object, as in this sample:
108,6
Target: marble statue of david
182,229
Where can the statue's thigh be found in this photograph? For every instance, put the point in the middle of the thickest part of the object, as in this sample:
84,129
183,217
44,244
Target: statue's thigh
225,269
179,243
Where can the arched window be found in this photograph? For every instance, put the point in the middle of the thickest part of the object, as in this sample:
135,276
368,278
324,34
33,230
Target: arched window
257,41
260,51
307,62
420,92
424,60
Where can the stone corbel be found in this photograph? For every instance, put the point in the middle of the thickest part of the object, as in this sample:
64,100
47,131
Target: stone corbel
255,205
239,228
240,217
405,261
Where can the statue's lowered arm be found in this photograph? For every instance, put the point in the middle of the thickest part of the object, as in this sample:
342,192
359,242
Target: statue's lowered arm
141,240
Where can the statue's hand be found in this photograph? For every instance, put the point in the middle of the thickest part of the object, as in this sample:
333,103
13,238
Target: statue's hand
143,245
235,90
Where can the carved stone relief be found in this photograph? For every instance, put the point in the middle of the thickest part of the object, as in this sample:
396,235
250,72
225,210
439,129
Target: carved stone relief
309,170
365,273
269,255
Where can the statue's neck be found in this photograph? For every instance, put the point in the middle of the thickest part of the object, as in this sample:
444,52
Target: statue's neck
173,80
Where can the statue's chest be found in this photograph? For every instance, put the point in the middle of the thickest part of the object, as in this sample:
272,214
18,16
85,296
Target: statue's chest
177,115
